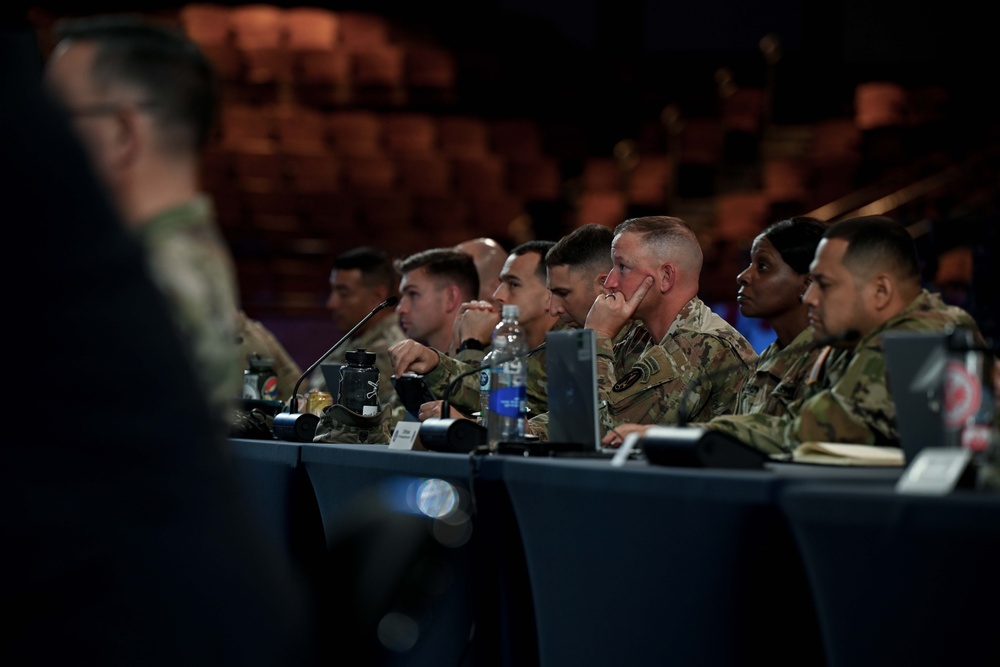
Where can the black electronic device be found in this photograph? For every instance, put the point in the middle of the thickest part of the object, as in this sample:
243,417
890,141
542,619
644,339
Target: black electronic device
413,391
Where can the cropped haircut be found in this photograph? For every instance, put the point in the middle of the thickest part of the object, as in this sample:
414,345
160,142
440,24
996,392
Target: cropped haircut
447,263
668,235
373,263
877,242
796,239
537,246
586,246
178,85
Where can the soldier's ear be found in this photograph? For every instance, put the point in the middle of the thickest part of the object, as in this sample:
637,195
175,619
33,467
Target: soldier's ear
883,289
666,278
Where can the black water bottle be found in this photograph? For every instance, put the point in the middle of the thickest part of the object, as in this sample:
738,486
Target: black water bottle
359,383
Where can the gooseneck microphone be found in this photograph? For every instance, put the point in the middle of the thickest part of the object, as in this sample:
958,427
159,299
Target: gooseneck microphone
300,427
391,301
849,336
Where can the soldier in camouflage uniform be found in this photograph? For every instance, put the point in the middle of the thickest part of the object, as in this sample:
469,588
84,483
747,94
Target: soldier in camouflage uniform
689,363
360,280
143,98
772,288
522,282
866,280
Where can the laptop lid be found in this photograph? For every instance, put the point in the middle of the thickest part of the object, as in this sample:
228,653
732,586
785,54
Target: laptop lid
571,361
915,363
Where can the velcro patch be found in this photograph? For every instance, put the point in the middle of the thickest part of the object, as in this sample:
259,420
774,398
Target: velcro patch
630,379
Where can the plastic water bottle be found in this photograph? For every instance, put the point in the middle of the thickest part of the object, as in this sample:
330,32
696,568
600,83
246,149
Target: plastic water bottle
484,389
508,390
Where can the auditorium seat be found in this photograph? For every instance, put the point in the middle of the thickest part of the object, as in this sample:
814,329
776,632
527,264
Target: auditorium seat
362,30
602,207
301,130
370,174
480,176
880,104
311,28
409,134
516,139
538,178
649,182
740,216
321,77
440,213
601,174
429,73
206,23
312,172
377,75
247,126
426,175
258,32
386,212
355,132
257,169
493,214
463,136
786,179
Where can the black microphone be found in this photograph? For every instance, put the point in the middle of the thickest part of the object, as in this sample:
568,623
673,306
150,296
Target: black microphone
849,336
297,426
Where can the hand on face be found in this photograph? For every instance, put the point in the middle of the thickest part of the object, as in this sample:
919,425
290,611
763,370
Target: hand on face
611,312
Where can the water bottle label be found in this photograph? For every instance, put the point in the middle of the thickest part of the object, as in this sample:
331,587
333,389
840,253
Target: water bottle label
484,379
509,401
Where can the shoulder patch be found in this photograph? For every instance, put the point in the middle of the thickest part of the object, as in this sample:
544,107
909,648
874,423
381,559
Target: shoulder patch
630,379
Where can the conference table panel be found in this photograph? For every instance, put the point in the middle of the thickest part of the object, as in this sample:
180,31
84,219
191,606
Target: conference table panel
648,565
281,498
381,549
901,579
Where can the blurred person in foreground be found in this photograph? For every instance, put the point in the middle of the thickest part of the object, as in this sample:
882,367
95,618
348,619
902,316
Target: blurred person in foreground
142,97
127,537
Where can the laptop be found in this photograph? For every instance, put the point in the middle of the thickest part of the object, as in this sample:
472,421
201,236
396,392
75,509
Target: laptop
915,363
571,362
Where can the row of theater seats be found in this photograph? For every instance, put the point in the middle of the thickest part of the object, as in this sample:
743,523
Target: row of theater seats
318,55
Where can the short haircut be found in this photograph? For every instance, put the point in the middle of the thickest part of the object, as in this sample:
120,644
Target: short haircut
877,242
178,84
796,239
447,263
671,237
541,248
587,246
373,263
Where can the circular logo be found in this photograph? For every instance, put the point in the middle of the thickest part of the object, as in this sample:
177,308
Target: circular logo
270,389
962,394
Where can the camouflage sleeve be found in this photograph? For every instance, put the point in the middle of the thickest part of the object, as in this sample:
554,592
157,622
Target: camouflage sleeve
762,431
856,409
538,384
696,379
466,395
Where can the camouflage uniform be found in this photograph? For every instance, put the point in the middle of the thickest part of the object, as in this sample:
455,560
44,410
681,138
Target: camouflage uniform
254,338
851,402
695,371
779,378
378,339
191,264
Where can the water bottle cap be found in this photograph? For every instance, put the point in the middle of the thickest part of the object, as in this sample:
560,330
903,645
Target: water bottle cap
509,310
360,357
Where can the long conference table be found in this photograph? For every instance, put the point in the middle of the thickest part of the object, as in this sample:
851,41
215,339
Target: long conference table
571,561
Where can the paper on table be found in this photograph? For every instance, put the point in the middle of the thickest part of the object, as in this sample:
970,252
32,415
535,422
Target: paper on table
838,453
